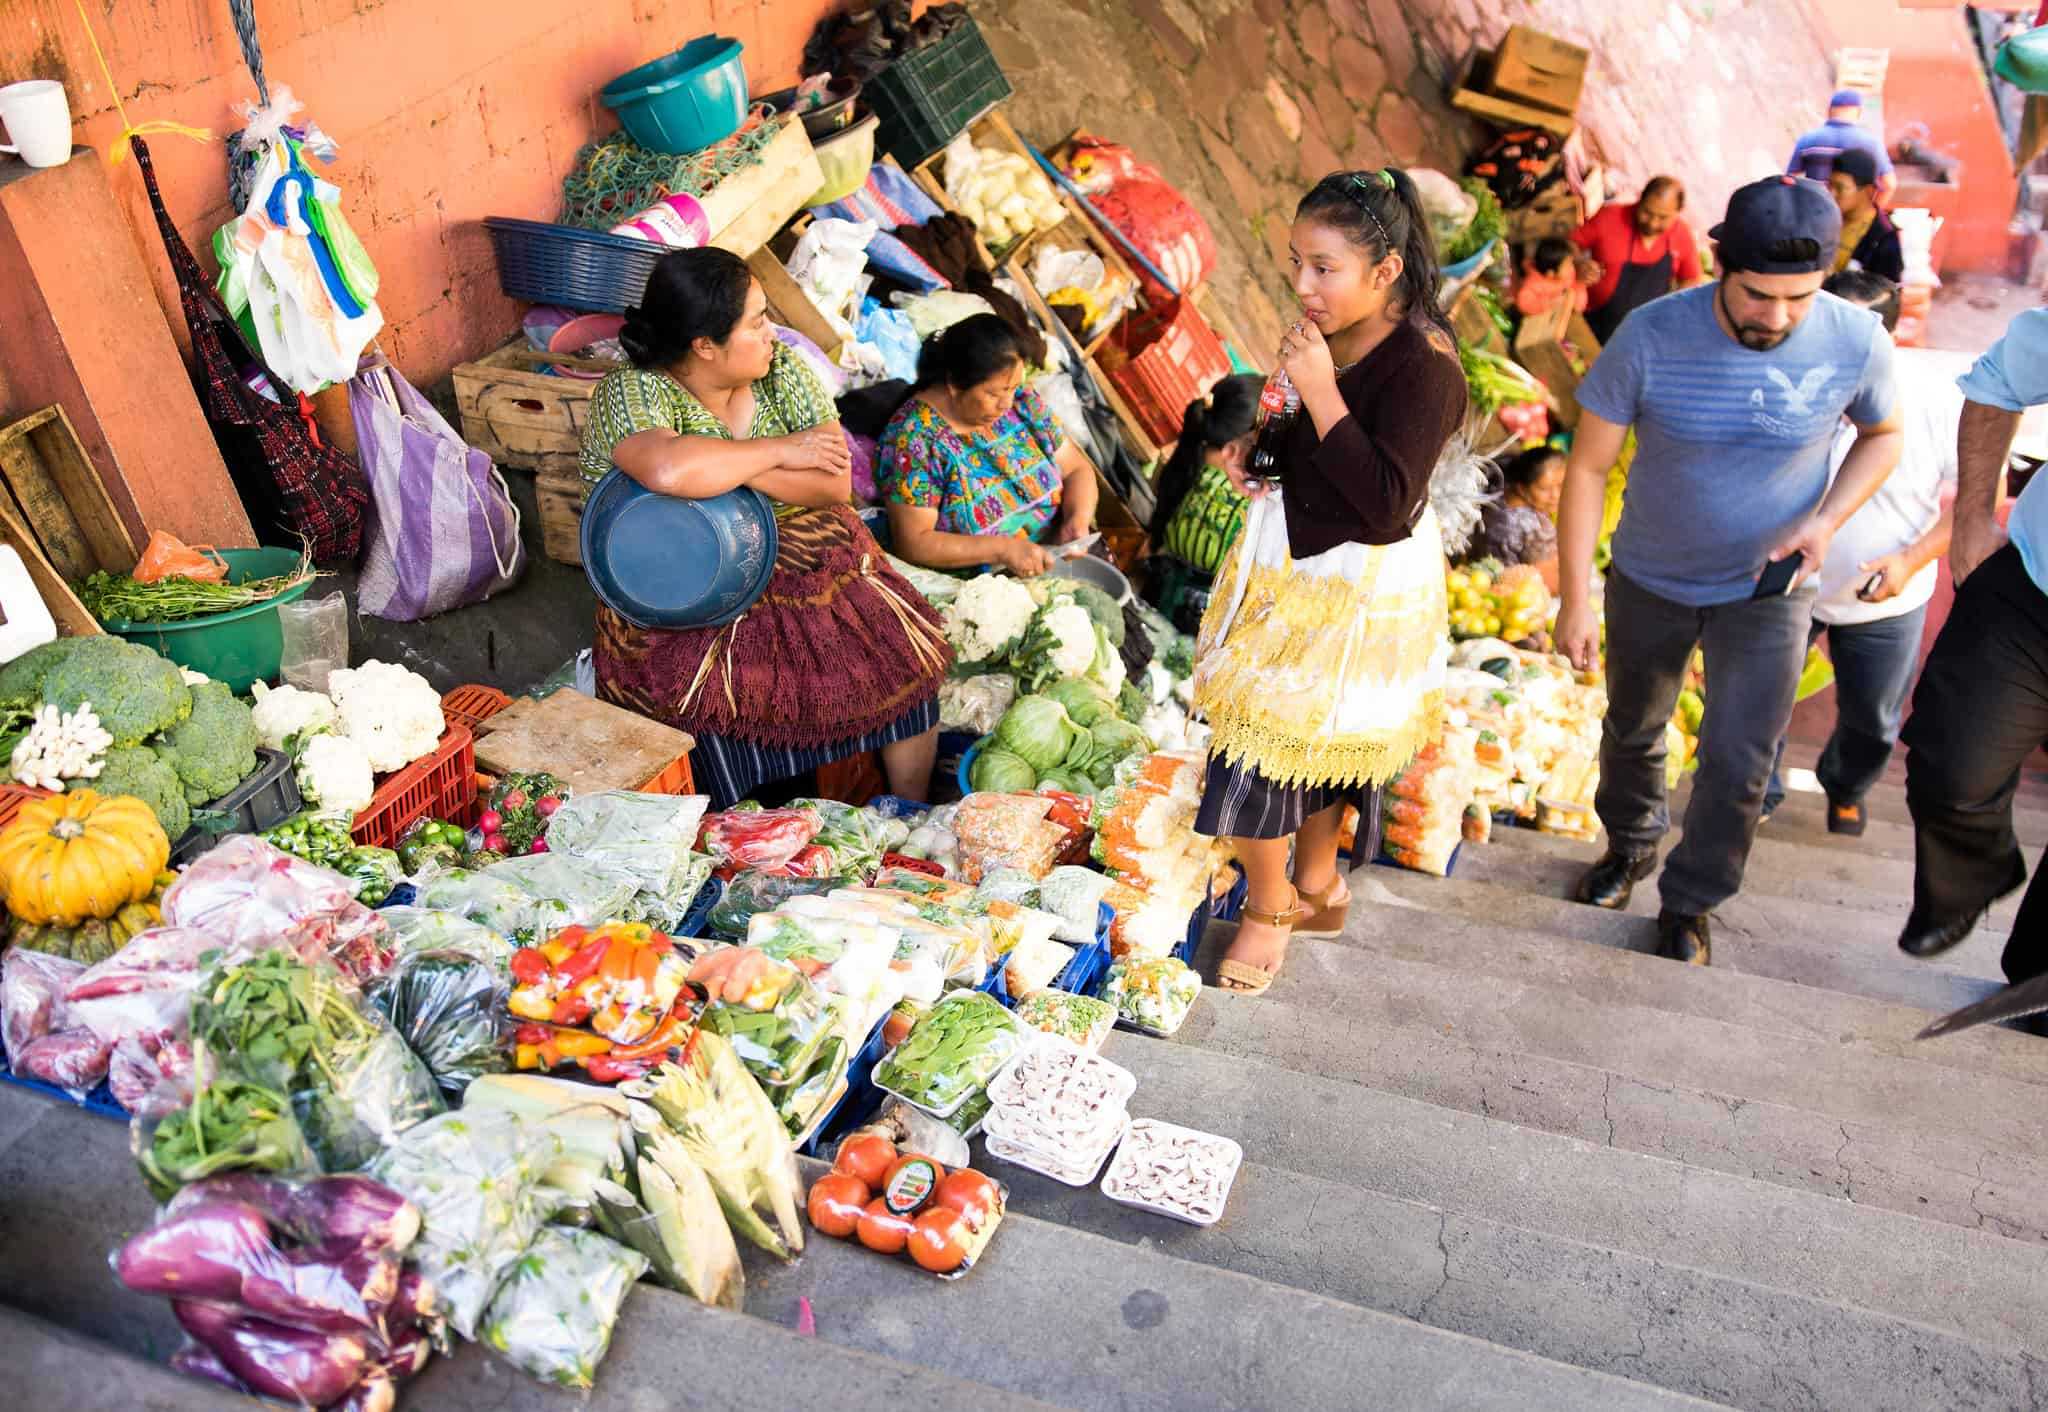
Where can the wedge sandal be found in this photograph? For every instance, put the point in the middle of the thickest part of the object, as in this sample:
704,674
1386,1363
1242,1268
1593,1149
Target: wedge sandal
1323,916
1243,978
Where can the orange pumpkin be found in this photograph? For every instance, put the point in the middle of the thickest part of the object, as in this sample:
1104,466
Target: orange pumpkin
77,856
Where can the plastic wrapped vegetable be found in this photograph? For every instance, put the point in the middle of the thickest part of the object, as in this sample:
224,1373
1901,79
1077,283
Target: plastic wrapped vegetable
475,1177
497,903
332,1216
788,1033
374,871
243,892
274,1361
976,704
1080,1018
41,1041
648,837
856,838
553,1317
230,1125
752,893
1007,831
449,1008
1074,895
1034,965
588,893
1152,995
423,929
951,1052
710,1104
768,840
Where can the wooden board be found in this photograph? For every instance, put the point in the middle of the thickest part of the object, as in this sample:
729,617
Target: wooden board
1468,94
789,305
589,744
1539,347
53,490
749,206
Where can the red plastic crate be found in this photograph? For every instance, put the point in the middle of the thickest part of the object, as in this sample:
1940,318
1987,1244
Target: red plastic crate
13,796
1170,357
440,786
472,705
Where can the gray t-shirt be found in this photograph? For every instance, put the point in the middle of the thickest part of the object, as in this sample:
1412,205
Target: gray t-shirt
1731,443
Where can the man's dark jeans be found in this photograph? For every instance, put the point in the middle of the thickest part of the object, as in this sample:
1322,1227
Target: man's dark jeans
1981,708
1754,650
1873,673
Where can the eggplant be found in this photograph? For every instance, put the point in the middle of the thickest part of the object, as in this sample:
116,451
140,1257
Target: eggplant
334,1215
274,1361
196,1360
409,1354
377,1392
202,1253
417,1302
304,1291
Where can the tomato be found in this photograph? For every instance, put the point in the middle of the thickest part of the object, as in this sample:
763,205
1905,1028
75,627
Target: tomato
911,1182
868,1156
896,1028
938,1241
883,1230
835,1203
971,1194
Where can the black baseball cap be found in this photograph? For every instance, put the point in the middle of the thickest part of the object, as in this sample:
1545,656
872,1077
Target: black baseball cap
1767,214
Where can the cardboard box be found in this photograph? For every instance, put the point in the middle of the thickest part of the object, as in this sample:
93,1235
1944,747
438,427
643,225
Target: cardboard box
1475,326
1540,347
1540,69
1472,93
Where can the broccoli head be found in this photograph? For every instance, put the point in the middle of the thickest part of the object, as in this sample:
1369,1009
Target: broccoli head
1102,608
23,677
134,692
214,748
136,770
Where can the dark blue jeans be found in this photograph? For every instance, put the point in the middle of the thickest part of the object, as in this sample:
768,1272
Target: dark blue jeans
1873,672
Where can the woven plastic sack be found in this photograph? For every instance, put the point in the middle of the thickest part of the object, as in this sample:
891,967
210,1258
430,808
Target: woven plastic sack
443,530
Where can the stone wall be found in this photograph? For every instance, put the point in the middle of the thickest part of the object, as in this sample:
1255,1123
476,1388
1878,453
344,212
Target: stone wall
1245,103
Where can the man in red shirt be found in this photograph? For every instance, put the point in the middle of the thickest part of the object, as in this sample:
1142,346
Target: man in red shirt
1641,251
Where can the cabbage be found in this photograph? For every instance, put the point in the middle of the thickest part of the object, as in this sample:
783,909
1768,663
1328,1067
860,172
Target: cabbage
1081,754
1115,739
1069,780
1001,772
1083,699
1039,730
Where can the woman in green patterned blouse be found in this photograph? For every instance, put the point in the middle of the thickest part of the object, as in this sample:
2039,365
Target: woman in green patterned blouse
840,655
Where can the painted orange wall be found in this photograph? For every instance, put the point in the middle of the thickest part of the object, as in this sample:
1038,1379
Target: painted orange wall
446,111
1935,78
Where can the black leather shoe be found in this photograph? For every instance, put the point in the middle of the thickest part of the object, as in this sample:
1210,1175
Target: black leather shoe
1921,940
1685,938
1609,882
1847,819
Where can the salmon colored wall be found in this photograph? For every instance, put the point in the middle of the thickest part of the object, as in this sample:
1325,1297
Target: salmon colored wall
445,111
1936,79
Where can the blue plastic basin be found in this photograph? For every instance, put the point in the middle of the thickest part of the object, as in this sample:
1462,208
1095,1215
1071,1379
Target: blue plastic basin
685,102
659,561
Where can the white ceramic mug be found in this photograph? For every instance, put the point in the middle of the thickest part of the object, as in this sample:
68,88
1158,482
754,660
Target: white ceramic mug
38,120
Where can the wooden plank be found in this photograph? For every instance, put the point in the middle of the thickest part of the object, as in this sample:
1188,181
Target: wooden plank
72,617
61,497
590,744
748,207
788,303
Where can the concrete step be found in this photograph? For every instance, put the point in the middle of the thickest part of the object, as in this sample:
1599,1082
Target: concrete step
1978,1285
1886,803
1051,1314
55,1369
1587,1305
1874,1130
1962,977
1778,867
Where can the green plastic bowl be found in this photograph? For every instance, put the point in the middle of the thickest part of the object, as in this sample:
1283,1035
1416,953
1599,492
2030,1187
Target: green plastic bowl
241,647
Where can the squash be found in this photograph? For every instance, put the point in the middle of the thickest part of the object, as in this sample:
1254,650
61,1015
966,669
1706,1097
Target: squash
74,857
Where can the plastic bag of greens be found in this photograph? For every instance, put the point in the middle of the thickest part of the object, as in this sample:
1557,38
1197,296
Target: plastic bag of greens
589,892
475,1175
857,838
450,1008
1074,895
497,903
750,893
231,1125
376,1088
1009,885
648,836
781,1042
553,1317
423,929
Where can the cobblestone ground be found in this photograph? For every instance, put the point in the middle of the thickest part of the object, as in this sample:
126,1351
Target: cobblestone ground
1246,102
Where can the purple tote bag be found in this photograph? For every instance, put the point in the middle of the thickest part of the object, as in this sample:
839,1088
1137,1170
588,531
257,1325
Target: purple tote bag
442,528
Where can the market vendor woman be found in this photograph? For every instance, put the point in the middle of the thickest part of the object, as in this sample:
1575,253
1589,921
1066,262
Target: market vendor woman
974,467
839,655
1320,664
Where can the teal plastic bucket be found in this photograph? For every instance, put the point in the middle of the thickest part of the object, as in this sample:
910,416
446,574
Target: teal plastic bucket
685,102
240,647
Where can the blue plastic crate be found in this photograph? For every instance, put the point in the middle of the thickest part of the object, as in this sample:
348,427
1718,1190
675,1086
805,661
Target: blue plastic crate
100,1100
697,922
1082,976
403,895
859,1102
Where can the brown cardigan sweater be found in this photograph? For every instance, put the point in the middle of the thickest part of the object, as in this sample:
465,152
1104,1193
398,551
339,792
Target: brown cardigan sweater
1368,481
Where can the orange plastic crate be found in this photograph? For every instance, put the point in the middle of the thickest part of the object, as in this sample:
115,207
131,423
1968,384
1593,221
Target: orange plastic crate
13,796
472,705
1170,357
440,786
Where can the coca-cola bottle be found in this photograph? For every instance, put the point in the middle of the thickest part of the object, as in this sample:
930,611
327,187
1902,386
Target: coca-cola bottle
1279,408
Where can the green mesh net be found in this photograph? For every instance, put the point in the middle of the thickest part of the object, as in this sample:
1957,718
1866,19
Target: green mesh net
615,179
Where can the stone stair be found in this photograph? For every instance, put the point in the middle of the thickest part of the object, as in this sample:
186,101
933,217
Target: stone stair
1497,1156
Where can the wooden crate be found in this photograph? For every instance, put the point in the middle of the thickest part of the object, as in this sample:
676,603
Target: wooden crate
1540,347
1471,92
520,416
561,489
53,490
749,206
1475,327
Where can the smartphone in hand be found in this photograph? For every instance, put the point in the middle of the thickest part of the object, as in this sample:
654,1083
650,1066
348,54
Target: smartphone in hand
1776,579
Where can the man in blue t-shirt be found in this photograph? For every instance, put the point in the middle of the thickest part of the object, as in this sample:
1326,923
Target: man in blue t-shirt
1982,704
1813,155
1734,390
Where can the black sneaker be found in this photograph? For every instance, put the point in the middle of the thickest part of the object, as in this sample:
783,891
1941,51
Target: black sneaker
1685,938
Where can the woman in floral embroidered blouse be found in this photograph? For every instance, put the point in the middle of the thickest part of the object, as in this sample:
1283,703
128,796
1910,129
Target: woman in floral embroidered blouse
974,468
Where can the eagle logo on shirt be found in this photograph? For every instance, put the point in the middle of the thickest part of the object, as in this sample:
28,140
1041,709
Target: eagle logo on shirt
1799,398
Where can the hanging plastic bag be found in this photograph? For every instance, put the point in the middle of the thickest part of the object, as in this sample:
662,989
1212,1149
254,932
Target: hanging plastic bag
443,529
168,557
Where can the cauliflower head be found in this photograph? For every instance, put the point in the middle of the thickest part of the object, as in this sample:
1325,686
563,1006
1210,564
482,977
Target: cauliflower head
392,713
135,692
214,748
988,616
1072,652
139,771
334,773
282,712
